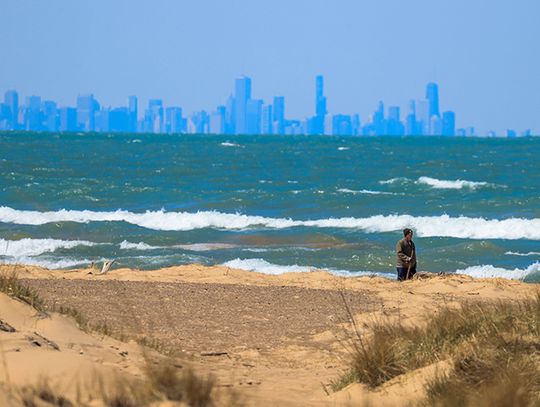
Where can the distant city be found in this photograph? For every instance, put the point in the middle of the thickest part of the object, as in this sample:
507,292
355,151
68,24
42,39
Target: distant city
240,115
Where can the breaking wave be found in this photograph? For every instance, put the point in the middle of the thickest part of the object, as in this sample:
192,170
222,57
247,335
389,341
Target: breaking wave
489,271
426,226
445,184
523,254
35,247
262,266
365,191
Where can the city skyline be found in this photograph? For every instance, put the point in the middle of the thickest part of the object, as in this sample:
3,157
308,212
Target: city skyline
483,54
241,115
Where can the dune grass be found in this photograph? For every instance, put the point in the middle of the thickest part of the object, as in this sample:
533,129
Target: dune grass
494,350
11,285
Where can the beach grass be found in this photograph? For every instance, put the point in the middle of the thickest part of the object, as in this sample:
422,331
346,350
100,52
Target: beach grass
494,350
12,286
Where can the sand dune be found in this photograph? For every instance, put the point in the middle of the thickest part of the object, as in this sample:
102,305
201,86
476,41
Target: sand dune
276,340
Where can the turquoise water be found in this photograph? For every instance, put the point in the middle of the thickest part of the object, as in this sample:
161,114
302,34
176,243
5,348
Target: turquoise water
271,204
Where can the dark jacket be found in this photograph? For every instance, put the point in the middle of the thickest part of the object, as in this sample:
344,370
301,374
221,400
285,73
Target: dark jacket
406,253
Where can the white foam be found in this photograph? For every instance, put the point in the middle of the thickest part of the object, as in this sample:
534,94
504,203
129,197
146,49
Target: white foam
365,191
445,184
35,247
125,245
47,263
262,266
489,271
393,180
523,254
229,144
426,226
343,148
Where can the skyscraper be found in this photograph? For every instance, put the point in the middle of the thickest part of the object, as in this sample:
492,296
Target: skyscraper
11,99
266,119
68,119
242,94
133,114
432,95
422,117
32,114
448,123
317,123
86,109
279,115
253,116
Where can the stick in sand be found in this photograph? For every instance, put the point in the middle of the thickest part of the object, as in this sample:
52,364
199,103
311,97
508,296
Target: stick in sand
410,264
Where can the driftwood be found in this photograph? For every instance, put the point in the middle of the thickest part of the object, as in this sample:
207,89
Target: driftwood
4,326
106,266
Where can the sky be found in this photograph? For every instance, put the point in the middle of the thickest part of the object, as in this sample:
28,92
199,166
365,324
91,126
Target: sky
483,54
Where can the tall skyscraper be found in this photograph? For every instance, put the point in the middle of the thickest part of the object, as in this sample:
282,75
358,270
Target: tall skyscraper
378,120
217,120
316,124
432,95
242,94
133,114
448,123
173,120
11,99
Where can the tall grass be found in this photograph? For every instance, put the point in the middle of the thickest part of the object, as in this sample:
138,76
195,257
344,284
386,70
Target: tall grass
494,349
11,285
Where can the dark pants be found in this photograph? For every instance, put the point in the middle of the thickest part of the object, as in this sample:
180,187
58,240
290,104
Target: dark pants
402,273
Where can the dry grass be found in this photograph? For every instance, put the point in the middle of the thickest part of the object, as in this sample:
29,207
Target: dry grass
495,350
10,285
41,393
180,384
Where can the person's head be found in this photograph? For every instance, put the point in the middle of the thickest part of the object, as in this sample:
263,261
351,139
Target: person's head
407,233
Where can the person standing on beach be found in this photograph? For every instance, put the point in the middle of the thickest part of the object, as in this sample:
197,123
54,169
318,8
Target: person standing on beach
406,256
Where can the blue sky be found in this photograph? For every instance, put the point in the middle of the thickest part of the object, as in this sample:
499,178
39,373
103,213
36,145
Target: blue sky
485,55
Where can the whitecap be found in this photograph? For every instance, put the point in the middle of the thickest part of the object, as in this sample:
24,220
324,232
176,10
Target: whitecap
523,254
393,180
48,263
489,271
365,191
125,245
229,144
343,148
35,247
264,267
446,184
426,226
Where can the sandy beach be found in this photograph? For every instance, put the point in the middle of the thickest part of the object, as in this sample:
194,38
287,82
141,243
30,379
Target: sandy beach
273,340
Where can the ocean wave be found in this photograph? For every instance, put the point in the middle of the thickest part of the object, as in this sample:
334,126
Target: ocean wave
424,226
262,266
446,184
343,148
489,271
394,181
365,191
52,264
35,247
125,245
229,144
523,254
